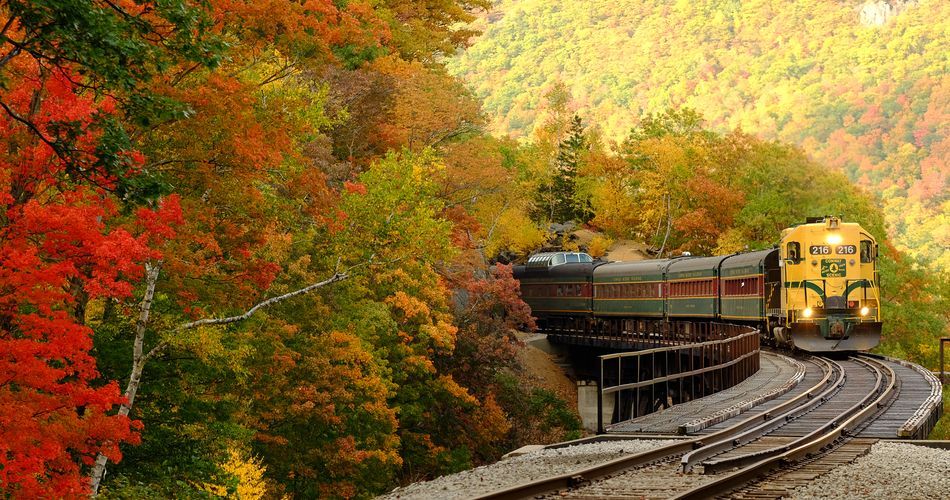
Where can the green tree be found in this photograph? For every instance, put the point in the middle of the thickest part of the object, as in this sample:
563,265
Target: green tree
559,200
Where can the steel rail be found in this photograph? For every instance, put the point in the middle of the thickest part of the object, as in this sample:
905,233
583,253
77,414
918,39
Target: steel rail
575,478
714,466
730,482
925,418
692,458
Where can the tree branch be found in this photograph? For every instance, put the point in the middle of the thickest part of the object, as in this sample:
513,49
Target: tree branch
152,271
337,276
139,359
36,131
269,302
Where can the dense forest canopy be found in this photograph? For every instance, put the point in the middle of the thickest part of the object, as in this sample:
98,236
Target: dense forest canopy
260,248
862,86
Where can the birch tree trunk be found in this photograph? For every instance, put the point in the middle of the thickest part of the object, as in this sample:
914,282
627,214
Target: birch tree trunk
669,224
140,357
138,363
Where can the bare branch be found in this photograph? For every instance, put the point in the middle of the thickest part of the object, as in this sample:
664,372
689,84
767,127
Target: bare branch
336,277
269,302
286,70
15,51
181,76
139,359
7,25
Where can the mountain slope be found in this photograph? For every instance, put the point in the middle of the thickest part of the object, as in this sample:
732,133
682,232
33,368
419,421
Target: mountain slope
862,87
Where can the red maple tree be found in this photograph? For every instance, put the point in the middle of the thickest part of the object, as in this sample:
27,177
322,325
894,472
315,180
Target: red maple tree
60,247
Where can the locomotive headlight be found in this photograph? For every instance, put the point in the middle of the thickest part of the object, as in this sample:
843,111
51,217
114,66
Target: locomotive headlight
807,312
865,311
833,238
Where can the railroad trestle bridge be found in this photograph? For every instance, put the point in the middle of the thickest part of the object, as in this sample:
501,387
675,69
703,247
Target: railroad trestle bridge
739,419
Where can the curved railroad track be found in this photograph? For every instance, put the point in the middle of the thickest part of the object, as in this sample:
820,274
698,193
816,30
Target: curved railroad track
812,430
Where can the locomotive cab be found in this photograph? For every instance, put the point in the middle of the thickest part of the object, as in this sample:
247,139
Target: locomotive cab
831,298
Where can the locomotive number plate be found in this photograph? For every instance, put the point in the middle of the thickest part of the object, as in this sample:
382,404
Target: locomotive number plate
846,249
819,250
833,268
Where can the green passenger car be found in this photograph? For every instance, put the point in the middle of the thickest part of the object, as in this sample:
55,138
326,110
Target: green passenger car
557,284
633,289
692,287
745,288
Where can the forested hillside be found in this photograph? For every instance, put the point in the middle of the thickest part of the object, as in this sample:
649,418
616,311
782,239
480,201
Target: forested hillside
862,87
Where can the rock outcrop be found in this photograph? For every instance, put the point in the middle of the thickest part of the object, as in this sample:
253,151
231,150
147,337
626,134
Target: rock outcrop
878,12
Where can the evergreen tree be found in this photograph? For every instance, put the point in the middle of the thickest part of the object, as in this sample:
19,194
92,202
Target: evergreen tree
559,199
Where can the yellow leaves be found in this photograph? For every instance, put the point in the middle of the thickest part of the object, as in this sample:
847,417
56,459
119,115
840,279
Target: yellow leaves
451,387
95,309
207,344
598,246
425,171
442,333
514,231
731,241
249,473
616,209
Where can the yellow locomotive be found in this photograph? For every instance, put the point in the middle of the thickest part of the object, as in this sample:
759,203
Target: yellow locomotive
830,295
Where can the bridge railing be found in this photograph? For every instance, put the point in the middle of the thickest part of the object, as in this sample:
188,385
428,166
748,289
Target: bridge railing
630,333
644,381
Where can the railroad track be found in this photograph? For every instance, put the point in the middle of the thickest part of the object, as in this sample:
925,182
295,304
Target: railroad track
759,457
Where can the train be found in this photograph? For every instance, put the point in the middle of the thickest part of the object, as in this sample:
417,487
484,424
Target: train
817,291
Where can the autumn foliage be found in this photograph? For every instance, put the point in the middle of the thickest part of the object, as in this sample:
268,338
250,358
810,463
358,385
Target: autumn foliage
261,248
59,250
238,150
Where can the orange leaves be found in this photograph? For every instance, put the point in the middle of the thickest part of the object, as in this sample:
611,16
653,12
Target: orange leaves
429,106
354,187
410,308
310,28
712,207
490,424
328,418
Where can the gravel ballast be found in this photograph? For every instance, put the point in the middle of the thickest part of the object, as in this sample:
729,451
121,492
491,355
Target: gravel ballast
520,469
889,470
